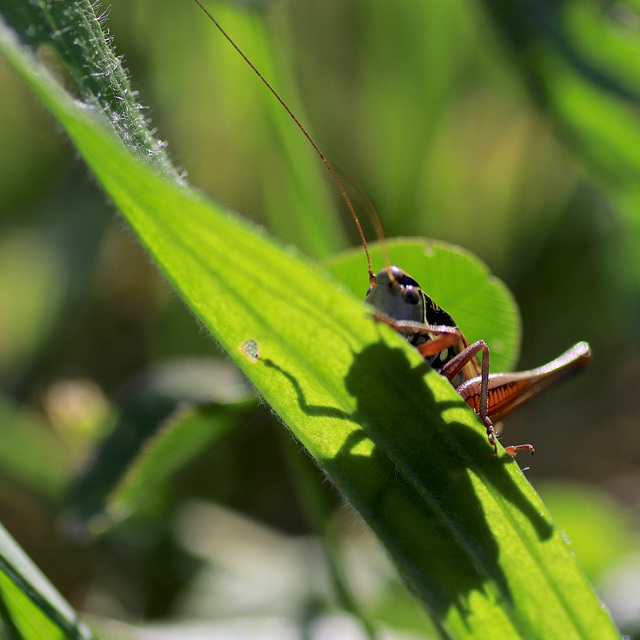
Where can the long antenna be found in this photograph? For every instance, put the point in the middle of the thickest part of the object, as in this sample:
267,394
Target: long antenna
304,131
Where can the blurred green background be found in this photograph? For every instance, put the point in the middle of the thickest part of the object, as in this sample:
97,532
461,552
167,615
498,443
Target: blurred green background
511,132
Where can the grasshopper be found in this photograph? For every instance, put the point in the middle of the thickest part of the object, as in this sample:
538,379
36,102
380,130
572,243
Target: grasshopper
399,302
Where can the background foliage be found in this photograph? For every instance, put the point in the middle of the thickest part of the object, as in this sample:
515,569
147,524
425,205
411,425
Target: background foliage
520,148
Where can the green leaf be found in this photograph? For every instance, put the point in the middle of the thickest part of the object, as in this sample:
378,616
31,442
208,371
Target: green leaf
465,529
30,607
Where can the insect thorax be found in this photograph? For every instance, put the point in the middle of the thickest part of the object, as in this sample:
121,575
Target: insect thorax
399,297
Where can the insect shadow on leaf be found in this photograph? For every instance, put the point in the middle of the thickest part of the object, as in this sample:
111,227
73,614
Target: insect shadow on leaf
408,469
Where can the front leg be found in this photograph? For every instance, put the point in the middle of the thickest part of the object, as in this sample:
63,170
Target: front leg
441,336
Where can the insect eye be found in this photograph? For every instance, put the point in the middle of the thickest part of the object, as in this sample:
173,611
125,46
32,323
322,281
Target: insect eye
373,281
410,295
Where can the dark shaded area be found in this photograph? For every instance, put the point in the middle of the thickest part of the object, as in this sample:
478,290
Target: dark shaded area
419,469
461,543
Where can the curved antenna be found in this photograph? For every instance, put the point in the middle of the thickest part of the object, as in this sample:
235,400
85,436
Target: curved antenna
374,218
304,131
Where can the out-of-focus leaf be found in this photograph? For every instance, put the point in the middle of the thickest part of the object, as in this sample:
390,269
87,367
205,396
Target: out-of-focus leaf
309,221
583,60
30,452
167,417
599,529
30,296
181,438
